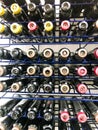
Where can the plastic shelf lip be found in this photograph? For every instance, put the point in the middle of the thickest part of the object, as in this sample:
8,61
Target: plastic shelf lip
44,43
44,37
48,62
56,98
56,94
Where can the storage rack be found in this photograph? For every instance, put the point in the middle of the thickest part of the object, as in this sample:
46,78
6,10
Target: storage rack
12,41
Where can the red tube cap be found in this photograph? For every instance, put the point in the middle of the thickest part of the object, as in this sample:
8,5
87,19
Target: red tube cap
82,118
82,88
96,53
32,26
64,116
65,25
82,71
96,70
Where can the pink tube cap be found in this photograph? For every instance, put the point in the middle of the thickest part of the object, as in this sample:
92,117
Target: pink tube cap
64,115
82,71
32,26
96,70
82,88
96,53
82,118
65,25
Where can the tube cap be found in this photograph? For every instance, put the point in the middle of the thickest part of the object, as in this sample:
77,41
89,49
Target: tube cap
47,71
15,71
96,117
17,127
31,53
32,26
65,25
16,28
82,118
64,88
96,70
2,126
96,53
3,85
82,88
31,70
32,127
15,115
16,9
31,88
31,7
2,11
82,71
82,53
96,24
47,88
65,6
64,116
2,28
48,116
64,53
2,71
47,53
64,70
15,87
48,26
48,8
48,127
16,53
83,25
31,115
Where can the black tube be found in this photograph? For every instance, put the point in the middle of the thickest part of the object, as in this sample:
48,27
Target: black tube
4,54
18,110
20,124
66,10
79,86
48,110
33,85
17,54
33,109
74,125
5,70
86,126
5,84
81,116
93,109
64,114
6,123
48,12
6,108
48,85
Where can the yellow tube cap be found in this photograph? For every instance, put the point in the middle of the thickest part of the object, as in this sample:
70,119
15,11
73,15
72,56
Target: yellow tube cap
16,28
2,28
16,9
48,26
2,11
